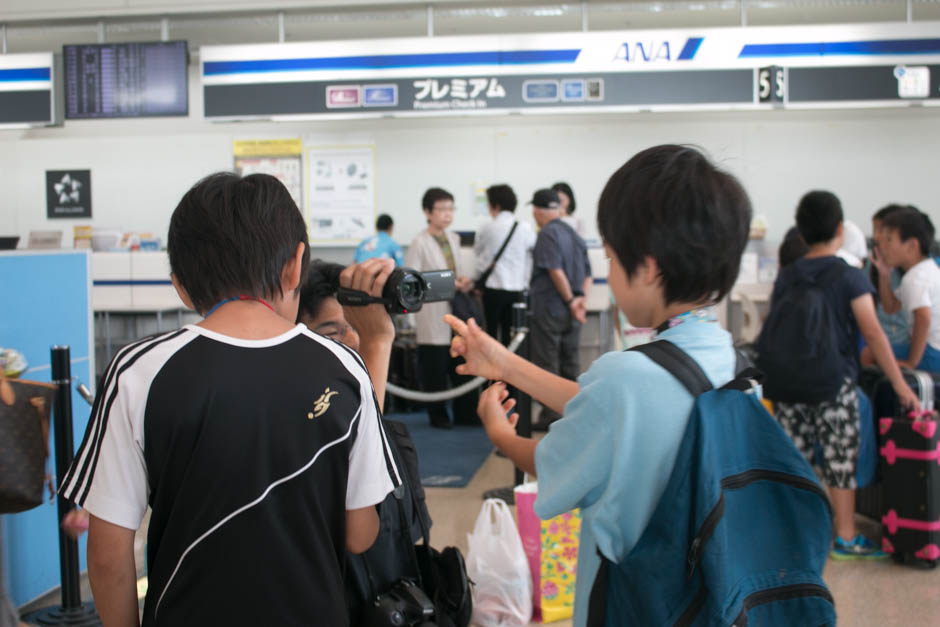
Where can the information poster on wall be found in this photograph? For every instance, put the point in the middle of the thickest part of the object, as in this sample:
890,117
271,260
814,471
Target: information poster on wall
341,199
281,158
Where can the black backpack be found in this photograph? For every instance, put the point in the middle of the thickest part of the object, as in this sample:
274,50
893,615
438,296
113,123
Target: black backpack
798,347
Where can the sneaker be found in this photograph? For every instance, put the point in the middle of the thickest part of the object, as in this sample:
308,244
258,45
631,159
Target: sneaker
859,548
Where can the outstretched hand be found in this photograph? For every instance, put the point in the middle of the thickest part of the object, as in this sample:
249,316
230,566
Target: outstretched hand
494,408
484,355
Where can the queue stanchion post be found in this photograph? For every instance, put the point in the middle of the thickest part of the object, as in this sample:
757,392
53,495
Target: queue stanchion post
72,611
520,323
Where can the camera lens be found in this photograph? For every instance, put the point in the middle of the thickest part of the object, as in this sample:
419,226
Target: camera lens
396,618
410,290
404,291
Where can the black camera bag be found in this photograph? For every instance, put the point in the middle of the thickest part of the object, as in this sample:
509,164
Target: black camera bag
403,520
444,575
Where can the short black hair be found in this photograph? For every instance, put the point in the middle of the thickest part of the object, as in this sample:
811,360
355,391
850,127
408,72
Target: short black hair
887,210
384,222
911,222
502,196
322,283
565,189
671,203
818,216
434,195
792,248
233,235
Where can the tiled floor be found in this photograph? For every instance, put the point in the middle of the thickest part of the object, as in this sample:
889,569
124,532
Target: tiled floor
870,594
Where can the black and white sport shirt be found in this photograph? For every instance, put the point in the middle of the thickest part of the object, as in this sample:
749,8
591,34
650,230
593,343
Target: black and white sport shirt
249,453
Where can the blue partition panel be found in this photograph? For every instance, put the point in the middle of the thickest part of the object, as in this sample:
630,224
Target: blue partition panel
46,302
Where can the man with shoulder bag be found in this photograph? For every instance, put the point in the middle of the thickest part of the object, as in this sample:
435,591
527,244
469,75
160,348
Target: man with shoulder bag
502,250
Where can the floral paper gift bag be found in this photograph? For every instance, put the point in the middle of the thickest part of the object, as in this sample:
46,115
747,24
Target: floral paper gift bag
551,547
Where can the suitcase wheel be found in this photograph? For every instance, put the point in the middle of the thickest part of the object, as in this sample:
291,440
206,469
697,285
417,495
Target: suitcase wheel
909,559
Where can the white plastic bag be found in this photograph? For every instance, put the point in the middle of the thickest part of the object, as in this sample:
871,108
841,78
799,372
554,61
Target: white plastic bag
497,564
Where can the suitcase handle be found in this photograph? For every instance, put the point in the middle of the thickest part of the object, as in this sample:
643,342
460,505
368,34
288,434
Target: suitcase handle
893,522
892,453
926,428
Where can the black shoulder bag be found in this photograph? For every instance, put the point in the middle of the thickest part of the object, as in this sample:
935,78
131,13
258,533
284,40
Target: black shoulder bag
481,282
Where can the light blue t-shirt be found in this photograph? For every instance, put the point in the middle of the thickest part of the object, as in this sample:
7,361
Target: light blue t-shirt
614,450
380,245
894,325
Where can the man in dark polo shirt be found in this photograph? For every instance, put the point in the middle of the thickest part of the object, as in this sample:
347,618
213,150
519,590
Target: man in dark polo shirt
561,278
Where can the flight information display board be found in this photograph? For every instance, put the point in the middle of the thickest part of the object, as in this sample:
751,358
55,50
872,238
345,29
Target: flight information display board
125,80
26,97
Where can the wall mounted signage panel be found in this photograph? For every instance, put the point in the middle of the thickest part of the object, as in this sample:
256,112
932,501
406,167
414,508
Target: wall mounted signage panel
68,193
536,71
26,93
864,83
460,95
146,79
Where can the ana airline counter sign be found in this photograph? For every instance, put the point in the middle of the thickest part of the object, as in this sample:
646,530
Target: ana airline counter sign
68,193
754,67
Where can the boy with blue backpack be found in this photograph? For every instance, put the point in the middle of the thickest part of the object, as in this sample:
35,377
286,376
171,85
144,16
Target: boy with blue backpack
648,450
808,349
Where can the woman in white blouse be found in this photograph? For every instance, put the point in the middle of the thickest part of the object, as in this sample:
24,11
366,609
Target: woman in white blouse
436,248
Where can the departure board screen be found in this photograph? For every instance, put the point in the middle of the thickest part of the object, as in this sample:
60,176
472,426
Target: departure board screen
126,80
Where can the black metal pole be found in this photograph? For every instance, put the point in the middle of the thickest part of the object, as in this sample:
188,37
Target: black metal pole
520,323
72,611
62,415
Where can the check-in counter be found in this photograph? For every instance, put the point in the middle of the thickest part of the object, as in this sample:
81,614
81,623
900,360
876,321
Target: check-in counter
133,282
132,285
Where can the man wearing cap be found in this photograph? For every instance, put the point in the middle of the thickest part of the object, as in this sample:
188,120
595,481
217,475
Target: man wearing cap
561,278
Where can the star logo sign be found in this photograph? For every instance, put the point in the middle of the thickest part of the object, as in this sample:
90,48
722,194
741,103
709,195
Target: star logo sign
322,404
68,189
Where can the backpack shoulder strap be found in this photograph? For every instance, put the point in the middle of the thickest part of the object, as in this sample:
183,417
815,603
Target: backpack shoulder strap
678,363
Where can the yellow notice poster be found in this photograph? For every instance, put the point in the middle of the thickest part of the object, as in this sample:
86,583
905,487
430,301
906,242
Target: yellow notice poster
281,158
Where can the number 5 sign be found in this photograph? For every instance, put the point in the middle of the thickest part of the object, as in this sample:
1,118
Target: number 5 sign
771,84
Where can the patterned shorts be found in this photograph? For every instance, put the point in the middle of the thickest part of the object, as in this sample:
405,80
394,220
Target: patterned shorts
826,433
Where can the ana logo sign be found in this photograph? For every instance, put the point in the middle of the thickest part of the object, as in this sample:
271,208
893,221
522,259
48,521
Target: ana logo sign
651,51
68,193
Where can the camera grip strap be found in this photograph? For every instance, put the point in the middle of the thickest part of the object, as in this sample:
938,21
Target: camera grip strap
355,298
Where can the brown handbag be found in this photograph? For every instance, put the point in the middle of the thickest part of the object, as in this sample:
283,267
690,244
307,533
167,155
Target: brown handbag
25,407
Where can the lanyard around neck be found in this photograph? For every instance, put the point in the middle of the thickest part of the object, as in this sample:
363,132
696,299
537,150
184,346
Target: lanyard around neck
234,298
699,313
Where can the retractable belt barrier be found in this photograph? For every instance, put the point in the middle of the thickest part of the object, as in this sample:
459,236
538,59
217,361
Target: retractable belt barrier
444,395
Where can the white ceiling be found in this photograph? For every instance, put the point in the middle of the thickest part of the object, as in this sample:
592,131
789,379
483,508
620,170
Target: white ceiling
43,25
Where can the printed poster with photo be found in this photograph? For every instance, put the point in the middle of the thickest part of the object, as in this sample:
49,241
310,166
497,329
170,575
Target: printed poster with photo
281,158
341,196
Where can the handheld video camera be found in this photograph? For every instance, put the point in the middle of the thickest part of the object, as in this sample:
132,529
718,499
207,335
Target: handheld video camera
405,291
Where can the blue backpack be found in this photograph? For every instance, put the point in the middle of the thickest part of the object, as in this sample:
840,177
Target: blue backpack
798,347
742,531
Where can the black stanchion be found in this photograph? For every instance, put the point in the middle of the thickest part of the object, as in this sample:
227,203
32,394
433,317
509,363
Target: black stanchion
520,322
72,611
